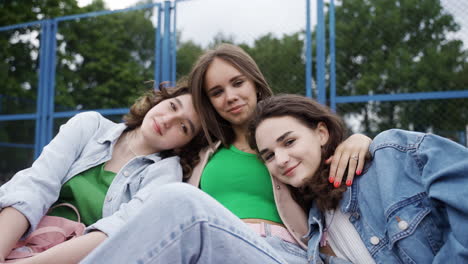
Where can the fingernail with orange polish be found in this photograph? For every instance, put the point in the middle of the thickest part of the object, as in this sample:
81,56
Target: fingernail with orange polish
337,184
349,182
331,179
358,172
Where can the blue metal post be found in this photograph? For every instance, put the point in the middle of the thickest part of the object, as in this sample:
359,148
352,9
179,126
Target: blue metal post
45,91
41,98
166,61
308,44
157,49
51,85
321,97
332,56
174,45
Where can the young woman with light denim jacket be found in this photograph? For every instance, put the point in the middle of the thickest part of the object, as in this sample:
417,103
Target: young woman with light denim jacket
409,206
241,214
140,152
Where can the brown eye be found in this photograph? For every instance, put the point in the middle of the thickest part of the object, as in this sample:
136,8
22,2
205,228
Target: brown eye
238,83
173,106
216,93
289,142
268,156
184,128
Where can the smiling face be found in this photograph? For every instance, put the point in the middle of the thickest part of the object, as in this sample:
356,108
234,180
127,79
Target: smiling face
231,93
171,124
291,151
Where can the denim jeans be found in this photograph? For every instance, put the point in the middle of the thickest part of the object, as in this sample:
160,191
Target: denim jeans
182,224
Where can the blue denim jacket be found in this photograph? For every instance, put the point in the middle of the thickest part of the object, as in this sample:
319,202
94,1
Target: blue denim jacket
411,203
85,141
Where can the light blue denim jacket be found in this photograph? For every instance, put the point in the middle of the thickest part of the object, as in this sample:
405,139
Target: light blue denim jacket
411,203
85,141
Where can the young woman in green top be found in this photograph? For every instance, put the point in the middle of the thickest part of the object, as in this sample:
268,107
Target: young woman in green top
226,86
106,170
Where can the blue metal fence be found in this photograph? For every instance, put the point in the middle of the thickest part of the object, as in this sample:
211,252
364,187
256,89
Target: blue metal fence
321,75
164,69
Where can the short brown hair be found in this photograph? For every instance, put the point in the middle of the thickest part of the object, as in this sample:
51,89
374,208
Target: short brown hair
189,153
212,123
310,113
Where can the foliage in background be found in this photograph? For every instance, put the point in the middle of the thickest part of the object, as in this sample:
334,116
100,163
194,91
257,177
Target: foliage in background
388,46
383,47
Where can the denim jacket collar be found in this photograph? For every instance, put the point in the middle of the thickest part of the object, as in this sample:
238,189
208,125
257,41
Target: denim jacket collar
114,133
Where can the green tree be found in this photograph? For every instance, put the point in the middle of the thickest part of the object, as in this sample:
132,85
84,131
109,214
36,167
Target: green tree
102,62
387,46
19,63
187,53
281,61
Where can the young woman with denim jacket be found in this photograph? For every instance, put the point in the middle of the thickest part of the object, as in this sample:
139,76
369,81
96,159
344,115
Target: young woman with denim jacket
241,214
409,206
139,154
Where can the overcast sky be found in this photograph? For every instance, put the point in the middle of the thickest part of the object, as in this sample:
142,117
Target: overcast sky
246,20
201,20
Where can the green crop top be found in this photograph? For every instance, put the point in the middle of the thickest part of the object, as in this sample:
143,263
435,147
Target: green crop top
86,191
240,182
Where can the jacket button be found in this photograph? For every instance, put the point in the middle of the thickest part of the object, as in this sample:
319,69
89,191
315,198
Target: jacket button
374,240
403,225
126,173
277,187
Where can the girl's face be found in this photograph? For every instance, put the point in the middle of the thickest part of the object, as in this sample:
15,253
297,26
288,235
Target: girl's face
231,93
171,124
291,151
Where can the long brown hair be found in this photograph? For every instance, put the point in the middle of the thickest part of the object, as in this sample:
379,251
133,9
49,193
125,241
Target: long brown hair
214,126
310,113
189,153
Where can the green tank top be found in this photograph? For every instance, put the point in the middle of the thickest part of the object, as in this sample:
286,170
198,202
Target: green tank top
240,182
86,191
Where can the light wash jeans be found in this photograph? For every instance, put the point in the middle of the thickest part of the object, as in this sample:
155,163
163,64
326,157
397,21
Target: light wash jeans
182,224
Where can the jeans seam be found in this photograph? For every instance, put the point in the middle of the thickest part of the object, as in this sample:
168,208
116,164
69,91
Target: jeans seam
200,221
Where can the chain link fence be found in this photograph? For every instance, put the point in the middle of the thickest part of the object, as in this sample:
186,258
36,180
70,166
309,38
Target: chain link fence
392,47
382,47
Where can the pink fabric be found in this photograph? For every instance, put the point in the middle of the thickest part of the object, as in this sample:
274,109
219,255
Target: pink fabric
51,231
275,230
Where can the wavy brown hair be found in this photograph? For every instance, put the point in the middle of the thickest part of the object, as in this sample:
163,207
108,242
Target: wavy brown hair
310,113
212,123
189,153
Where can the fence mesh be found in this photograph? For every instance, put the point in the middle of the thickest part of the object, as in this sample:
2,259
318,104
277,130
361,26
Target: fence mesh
382,47
389,47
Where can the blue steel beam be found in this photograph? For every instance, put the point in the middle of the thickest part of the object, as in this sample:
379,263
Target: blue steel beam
166,60
45,89
308,44
115,111
51,85
331,13
21,25
403,97
14,117
174,45
320,39
157,50
42,88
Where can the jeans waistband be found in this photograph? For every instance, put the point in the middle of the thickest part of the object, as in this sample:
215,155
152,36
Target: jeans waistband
264,229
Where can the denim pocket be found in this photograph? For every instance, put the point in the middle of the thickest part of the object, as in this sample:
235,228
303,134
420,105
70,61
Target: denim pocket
410,225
